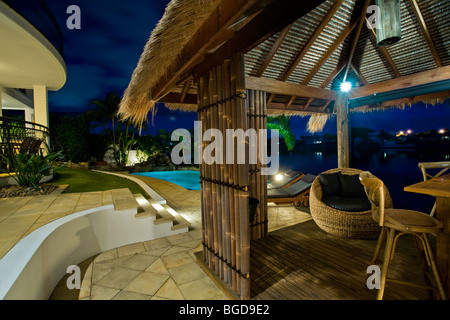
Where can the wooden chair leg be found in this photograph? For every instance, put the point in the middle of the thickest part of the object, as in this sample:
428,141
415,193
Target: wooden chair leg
433,210
434,267
379,245
387,259
420,245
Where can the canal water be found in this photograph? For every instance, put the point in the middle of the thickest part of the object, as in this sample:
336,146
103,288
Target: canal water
396,167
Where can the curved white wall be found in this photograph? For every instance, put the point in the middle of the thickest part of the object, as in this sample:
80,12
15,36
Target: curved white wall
32,269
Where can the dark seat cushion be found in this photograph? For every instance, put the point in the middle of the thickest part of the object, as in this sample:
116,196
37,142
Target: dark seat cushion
294,190
349,204
292,174
330,184
298,187
351,186
277,193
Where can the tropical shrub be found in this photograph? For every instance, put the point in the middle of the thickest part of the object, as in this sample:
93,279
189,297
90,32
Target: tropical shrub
121,135
30,169
282,124
71,135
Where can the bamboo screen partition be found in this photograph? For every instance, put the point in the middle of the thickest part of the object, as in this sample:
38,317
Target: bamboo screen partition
225,104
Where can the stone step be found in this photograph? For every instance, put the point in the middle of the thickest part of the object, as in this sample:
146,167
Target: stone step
179,222
145,209
123,199
163,213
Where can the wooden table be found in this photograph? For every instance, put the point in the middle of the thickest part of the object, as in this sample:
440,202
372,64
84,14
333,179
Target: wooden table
439,188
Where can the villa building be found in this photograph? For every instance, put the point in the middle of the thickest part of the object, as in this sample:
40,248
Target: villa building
31,64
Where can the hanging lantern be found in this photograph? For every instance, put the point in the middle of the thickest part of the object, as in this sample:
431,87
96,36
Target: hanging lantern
389,25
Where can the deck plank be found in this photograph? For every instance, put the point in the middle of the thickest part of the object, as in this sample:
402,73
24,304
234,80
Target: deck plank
304,262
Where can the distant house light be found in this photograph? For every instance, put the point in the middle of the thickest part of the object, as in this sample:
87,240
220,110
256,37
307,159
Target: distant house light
442,131
346,86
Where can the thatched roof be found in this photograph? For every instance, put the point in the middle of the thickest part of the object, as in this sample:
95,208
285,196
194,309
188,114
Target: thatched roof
314,50
180,22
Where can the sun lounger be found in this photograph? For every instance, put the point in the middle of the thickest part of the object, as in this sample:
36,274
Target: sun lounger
289,177
295,193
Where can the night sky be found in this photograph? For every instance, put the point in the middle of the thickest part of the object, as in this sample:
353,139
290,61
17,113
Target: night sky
102,56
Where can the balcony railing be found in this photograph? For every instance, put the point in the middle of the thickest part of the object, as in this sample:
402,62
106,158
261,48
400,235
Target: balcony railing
39,15
20,136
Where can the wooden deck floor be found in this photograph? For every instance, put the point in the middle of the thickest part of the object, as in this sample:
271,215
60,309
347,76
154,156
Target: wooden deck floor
303,262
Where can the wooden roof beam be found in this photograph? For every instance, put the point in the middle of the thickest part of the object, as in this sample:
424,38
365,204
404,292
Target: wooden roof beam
384,52
331,50
274,18
426,33
288,89
293,107
185,88
356,38
177,98
413,80
328,80
312,39
328,54
310,42
359,74
283,34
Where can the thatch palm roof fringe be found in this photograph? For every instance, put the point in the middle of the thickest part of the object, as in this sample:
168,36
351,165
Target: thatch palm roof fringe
180,22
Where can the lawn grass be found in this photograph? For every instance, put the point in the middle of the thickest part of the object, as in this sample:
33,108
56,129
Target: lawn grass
82,180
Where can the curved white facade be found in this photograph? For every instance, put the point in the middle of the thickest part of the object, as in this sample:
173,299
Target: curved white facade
27,61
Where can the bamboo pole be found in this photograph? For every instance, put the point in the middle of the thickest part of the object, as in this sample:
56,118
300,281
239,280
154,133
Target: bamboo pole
257,183
213,166
230,178
243,179
218,178
237,207
265,178
261,218
205,173
223,195
202,170
251,124
210,199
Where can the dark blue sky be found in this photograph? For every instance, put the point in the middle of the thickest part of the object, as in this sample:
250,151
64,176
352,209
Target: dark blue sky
102,56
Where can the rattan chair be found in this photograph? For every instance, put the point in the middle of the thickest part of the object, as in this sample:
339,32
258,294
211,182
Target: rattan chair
424,166
358,225
398,222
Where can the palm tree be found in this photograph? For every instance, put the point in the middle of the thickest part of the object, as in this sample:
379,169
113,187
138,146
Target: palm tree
103,112
281,123
122,134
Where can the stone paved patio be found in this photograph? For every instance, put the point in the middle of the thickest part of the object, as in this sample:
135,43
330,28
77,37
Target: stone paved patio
159,269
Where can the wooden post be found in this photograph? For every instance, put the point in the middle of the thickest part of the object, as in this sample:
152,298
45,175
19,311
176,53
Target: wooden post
343,132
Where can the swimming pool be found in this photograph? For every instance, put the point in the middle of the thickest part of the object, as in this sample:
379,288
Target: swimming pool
188,179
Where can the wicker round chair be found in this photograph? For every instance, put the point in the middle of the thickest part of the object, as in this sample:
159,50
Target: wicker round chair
358,225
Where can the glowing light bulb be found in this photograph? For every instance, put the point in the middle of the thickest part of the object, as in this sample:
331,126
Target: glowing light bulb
346,86
278,177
